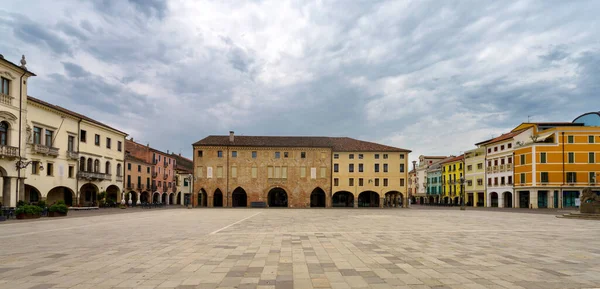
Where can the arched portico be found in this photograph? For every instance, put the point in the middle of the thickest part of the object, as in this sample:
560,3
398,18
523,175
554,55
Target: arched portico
368,199
393,199
145,197
156,198
113,194
431,200
32,194
202,198
278,197
178,199
133,197
239,198
88,195
507,199
171,198
342,199
163,198
217,198
317,198
60,194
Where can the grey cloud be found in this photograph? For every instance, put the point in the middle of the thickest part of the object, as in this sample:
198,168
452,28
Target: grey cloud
74,70
71,31
150,8
35,34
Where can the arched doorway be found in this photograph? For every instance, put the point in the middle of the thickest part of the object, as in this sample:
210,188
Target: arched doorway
171,196
457,200
131,196
239,198
202,198
317,198
431,200
163,198
218,198
145,197
278,198
392,199
32,195
507,199
494,200
446,200
368,199
156,198
88,195
60,194
178,201
342,199
113,194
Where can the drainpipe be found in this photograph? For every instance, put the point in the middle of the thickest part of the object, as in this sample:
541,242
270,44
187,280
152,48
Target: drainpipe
18,190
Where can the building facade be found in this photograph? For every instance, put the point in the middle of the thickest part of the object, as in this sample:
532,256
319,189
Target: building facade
421,177
242,171
434,183
13,108
184,178
475,177
137,180
452,173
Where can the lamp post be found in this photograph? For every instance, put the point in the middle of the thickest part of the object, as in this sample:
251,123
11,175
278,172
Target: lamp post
462,193
190,179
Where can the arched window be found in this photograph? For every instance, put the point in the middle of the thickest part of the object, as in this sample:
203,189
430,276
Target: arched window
96,166
119,170
107,168
4,133
82,164
90,165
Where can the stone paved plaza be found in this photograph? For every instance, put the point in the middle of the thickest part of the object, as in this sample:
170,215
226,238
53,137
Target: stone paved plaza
302,248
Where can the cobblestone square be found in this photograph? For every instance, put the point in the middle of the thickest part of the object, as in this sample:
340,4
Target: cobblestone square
302,248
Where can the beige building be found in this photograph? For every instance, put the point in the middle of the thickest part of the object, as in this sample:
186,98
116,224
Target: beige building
243,171
13,107
475,177
184,178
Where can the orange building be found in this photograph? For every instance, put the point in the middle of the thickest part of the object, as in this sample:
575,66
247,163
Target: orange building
556,164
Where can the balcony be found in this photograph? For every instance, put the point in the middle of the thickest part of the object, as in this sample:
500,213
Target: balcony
154,174
45,150
140,187
502,168
509,167
93,176
119,178
6,99
129,187
73,155
8,151
154,188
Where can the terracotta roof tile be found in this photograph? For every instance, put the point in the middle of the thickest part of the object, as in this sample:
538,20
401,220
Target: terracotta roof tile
335,143
501,137
453,159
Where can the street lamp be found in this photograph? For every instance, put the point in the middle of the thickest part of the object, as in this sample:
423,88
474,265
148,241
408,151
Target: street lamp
462,193
21,165
190,179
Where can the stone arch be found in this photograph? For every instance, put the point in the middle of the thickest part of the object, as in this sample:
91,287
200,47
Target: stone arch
456,201
156,198
171,200
368,199
60,194
317,198
393,199
131,195
3,172
507,199
431,200
163,198
239,198
88,194
277,197
32,194
218,198
446,200
202,198
113,194
494,199
421,200
145,197
178,198
342,199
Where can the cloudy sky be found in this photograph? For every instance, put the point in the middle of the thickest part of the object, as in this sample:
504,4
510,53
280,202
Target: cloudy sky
431,76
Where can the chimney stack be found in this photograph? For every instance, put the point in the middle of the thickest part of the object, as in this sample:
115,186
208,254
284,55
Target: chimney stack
230,136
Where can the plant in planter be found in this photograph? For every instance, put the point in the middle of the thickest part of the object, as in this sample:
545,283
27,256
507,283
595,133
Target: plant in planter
58,210
28,212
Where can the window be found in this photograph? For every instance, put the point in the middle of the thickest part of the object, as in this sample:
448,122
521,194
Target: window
71,143
522,159
571,177
385,156
360,168
71,171
489,181
571,158
336,182
591,158
37,135
50,169
129,166
495,162
323,172
479,166
510,160
108,142
351,168
592,177
351,156
336,156
219,172
385,168
469,168
277,155
544,177
376,156
284,172
302,155
489,150
219,154
5,86
303,172
489,163
401,156
97,140
385,182
495,149
234,172
119,146
199,154
35,167
361,156
234,154
119,170
401,168
496,181
107,168
285,155
254,172
351,182
336,168
377,182
542,158
502,182
148,170
502,147
480,182
376,168
270,172
510,180
509,145
591,139
254,155
570,139
402,182
360,182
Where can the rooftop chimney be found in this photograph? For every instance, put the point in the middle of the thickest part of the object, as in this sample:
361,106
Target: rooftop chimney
230,136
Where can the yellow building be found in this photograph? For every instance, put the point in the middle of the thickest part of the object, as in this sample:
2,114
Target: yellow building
452,172
556,164
475,177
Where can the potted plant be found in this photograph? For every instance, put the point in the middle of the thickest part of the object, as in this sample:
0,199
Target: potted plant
58,210
28,212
